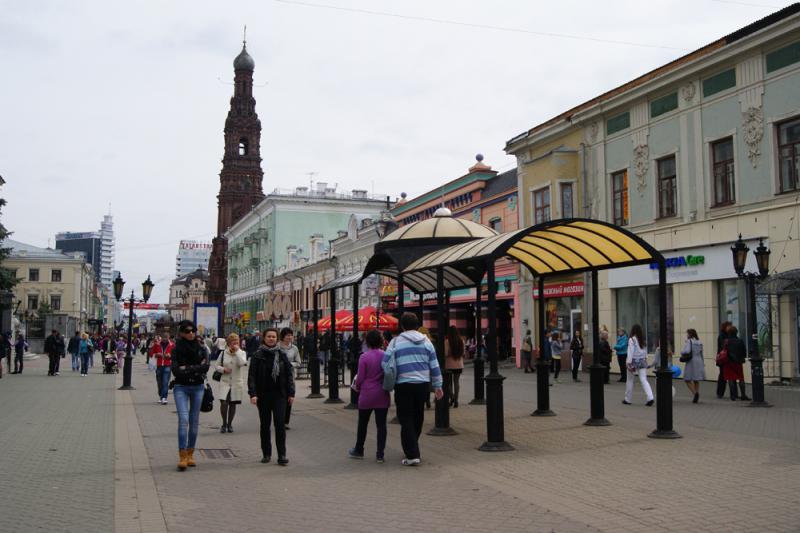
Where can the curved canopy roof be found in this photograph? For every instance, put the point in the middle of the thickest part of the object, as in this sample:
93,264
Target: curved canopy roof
566,245
441,226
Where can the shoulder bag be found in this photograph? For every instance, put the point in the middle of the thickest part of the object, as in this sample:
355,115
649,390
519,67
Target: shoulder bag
217,375
722,356
389,368
208,400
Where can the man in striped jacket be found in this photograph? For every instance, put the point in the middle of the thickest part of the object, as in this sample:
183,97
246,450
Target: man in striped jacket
417,369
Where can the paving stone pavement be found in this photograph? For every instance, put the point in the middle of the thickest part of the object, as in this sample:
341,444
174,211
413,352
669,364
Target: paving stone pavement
562,476
56,450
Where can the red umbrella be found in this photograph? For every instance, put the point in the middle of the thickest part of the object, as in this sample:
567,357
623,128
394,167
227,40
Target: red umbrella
368,318
325,323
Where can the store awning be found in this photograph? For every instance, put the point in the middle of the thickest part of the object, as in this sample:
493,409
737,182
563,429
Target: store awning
783,283
558,246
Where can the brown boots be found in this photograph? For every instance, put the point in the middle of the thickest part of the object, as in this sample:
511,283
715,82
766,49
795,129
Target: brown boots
190,457
183,461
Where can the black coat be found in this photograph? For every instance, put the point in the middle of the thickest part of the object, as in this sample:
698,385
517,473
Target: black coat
259,377
737,352
605,352
54,345
189,362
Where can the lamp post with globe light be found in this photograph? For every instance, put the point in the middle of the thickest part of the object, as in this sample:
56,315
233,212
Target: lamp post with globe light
147,289
761,253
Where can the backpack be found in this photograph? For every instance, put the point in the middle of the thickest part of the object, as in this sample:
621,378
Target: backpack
389,368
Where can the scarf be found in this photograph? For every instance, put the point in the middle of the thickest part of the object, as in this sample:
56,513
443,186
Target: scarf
276,368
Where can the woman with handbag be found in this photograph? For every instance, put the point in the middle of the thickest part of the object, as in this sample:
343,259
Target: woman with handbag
732,368
232,377
189,366
637,366
576,347
695,370
722,340
527,352
371,396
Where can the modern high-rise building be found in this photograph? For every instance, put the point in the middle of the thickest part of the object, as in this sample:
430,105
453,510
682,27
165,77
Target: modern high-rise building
192,255
97,247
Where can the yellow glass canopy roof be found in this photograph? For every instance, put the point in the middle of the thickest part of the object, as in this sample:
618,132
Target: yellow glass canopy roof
441,225
558,246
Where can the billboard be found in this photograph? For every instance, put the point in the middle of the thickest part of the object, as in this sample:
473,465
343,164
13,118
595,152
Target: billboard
208,319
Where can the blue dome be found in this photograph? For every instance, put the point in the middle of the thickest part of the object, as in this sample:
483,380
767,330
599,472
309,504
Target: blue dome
243,61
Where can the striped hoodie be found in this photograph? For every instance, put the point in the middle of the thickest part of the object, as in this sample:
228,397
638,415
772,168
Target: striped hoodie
416,359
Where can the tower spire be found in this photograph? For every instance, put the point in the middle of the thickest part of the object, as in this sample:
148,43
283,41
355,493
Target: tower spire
244,36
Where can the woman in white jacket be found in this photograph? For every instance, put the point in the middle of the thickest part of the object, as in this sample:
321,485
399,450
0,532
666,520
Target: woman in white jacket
637,366
233,384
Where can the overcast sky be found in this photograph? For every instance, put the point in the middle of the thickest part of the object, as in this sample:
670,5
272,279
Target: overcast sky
124,103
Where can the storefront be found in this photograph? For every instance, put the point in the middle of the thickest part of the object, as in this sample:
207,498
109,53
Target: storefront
564,307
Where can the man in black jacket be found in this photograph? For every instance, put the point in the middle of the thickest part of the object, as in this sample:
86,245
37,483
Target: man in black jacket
271,387
54,348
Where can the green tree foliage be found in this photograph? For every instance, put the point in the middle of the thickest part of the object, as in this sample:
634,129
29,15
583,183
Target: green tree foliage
7,277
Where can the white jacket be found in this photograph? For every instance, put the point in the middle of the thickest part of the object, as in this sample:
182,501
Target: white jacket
236,381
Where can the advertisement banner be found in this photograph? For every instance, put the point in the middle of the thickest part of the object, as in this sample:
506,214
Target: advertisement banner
207,318
560,290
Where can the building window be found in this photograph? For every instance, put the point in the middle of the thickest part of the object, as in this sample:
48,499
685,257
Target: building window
719,82
496,224
732,295
618,123
33,274
541,205
722,157
667,187
55,276
619,188
789,154
639,305
662,105
243,146
566,200
55,302
33,302
783,57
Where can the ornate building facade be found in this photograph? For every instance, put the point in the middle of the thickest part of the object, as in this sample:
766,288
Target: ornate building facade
241,175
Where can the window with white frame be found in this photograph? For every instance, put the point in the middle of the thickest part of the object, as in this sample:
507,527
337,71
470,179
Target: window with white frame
541,205
566,194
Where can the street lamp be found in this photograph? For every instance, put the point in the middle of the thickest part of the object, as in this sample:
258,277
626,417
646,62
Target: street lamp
761,253
147,289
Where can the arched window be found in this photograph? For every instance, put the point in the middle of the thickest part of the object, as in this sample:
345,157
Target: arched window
243,146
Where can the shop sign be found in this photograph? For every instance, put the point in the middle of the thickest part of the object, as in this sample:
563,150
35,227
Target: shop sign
681,261
561,290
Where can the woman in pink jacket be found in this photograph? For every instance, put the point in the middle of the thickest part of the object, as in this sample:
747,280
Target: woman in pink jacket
371,396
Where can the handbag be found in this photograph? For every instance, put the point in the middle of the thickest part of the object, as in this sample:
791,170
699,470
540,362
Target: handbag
685,358
722,356
208,400
389,368
526,346
217,375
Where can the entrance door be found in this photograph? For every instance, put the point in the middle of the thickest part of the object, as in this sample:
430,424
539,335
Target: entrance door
575,322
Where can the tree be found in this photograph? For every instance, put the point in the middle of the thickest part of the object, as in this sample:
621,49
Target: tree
8,277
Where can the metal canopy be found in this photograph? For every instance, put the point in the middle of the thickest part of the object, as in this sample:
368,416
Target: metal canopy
783,283
566,245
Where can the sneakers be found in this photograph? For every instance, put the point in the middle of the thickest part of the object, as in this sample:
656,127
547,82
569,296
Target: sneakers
379,458
410,462
355,454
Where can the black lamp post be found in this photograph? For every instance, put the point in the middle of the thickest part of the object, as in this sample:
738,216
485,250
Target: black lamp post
147,289
739,251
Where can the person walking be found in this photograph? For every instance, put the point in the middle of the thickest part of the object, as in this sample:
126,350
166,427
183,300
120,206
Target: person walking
621,349
576,348
54,348
371,396
231,363
6,350
20,347
189,365
253,343
85,349
556,347
417,369
293,355
605,355
733,369
271,388
73,349
527,352
454,363
722,339
694,370
325,352
161,352
120,349
637,366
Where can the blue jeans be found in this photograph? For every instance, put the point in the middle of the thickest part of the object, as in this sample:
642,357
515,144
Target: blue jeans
187,401
162,380
85,363
76,361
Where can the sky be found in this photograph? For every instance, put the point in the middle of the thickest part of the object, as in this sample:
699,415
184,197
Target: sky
120,106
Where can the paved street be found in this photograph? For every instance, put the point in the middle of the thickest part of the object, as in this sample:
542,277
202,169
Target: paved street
736,469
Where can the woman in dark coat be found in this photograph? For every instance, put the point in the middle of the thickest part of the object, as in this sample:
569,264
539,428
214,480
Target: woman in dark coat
733,370
576,346
721,338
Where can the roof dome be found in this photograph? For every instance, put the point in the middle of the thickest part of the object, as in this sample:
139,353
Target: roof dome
244,61
441,225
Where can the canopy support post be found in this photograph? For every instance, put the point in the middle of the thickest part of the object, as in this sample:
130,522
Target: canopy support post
313,361
355,351
401,297
477,362
542,365
663,375
442,425
333,364
495,432
597,370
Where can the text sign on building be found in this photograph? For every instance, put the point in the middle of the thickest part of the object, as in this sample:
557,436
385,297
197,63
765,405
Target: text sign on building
561,290
690,264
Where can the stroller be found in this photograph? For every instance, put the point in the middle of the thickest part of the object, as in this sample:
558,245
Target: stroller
110,364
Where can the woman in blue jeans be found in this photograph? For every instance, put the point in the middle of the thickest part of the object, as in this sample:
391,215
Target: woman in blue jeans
160,352
189,366
85,350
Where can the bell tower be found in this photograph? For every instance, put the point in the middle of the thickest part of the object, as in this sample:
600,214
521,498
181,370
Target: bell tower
241,175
